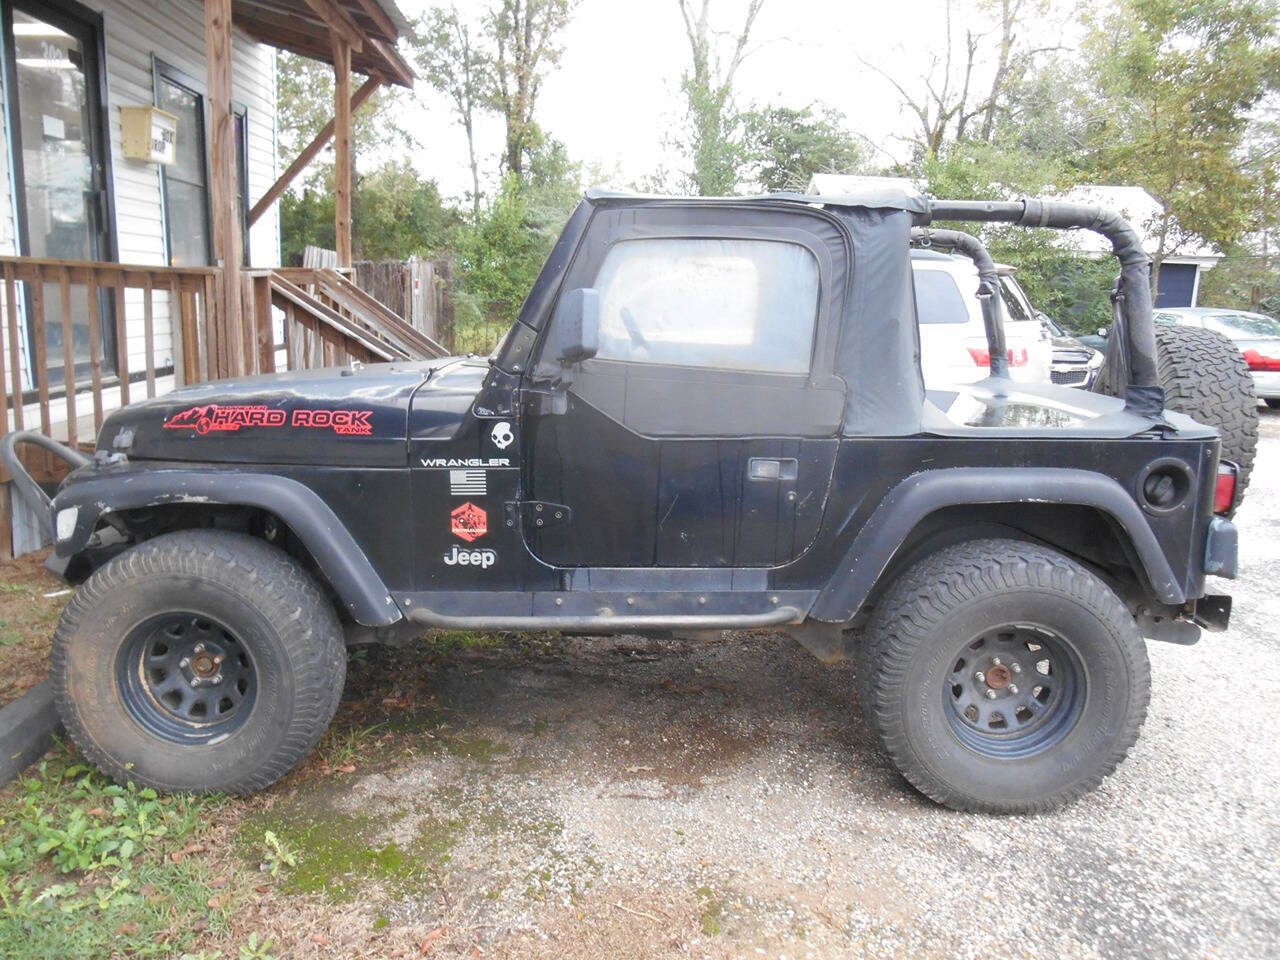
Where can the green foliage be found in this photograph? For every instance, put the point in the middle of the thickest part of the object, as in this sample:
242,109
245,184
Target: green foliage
499,257
784,147
83,863
395,215
305,103
525,43
456,63
1244,280
1173,86
275,855
306,218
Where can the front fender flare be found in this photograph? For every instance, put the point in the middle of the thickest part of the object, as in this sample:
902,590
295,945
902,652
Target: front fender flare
921,494
339,557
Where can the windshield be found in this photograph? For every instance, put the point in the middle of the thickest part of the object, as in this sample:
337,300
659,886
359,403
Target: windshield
1048,322
1243,326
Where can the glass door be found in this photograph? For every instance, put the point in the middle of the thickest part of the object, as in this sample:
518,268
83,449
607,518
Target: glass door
54,103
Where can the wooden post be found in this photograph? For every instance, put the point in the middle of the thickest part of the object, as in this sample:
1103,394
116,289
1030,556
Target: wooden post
342,149
222,192
308,154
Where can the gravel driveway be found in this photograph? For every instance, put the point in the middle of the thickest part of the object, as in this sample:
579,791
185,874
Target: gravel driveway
646,798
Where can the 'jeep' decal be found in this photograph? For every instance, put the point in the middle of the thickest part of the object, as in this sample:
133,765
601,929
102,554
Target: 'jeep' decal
213,417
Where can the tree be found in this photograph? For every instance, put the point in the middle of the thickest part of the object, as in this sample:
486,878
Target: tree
948,103
397,215
715,152
525,36
1175,83
458,65
304,104
784,147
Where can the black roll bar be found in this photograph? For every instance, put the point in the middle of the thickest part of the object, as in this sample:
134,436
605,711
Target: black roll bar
27,488
1142,393
988,287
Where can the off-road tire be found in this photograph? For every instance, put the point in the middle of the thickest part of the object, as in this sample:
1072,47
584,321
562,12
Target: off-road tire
928,617
1204,375
289,634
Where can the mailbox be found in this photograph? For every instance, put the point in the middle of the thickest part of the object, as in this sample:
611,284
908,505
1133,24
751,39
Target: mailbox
149,134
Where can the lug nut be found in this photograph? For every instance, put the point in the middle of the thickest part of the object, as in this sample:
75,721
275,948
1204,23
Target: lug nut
184,662
218,658
991,694
1016,667
980,677
195,681
218,679
995,661
200,649
1013,688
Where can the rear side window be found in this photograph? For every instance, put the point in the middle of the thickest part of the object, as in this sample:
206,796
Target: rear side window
703,302
938,299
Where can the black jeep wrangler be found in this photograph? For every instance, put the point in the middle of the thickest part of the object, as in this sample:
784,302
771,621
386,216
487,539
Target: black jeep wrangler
710,414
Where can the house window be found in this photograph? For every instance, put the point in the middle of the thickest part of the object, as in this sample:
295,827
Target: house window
185,182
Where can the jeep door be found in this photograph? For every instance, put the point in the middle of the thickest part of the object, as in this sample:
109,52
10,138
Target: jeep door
703,431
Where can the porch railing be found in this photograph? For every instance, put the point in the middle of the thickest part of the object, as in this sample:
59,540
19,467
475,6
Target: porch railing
142,325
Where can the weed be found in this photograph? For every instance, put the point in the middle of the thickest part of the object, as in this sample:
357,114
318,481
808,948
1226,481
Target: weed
710,911
276,854
253,950
83,862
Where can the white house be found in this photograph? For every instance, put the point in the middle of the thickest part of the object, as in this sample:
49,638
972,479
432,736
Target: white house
139,231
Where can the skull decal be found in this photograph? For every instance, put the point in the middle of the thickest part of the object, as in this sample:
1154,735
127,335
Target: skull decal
502,435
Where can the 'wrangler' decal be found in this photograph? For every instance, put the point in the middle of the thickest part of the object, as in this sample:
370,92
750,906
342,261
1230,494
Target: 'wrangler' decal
212,417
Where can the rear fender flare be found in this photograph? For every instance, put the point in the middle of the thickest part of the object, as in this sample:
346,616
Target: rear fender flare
919,495
339,557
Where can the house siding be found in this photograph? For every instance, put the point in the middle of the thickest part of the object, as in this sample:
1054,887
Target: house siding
135,31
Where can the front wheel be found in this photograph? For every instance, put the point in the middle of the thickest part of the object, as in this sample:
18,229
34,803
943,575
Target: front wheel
201,660
1003,677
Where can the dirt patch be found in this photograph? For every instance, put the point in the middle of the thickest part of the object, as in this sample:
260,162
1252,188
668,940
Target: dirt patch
27,619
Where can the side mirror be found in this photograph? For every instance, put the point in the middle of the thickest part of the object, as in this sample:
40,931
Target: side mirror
577,325
1103,331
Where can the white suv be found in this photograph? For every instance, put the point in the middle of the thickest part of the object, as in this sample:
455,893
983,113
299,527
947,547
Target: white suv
953,340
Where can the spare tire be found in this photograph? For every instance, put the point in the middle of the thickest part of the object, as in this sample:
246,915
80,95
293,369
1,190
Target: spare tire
1204,376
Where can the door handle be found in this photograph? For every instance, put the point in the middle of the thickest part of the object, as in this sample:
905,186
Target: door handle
766,468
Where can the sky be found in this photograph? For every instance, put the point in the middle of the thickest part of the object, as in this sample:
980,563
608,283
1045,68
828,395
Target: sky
616,93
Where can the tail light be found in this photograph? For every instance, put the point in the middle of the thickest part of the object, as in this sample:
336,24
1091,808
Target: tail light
1224,492
1018,356
1260,361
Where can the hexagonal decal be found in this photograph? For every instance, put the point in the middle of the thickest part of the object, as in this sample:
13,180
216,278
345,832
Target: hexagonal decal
469,522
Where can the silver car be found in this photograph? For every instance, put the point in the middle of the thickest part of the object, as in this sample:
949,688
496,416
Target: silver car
1256,334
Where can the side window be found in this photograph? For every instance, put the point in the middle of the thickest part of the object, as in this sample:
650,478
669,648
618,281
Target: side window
703,302
938,299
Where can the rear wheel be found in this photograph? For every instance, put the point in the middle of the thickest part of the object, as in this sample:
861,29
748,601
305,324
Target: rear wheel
201,660
1003,677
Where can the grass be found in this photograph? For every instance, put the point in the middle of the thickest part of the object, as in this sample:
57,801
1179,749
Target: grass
84,862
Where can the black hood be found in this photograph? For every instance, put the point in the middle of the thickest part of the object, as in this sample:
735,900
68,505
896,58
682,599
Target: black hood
336,416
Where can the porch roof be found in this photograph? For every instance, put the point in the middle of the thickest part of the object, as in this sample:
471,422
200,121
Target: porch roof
306,27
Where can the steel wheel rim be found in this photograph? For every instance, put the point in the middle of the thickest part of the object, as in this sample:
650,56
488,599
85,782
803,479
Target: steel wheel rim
186,678
1014,691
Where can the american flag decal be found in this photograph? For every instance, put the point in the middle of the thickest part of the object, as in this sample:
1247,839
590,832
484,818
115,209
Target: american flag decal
467,483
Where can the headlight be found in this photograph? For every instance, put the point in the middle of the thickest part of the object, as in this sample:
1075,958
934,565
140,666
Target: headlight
1095,361
66,522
